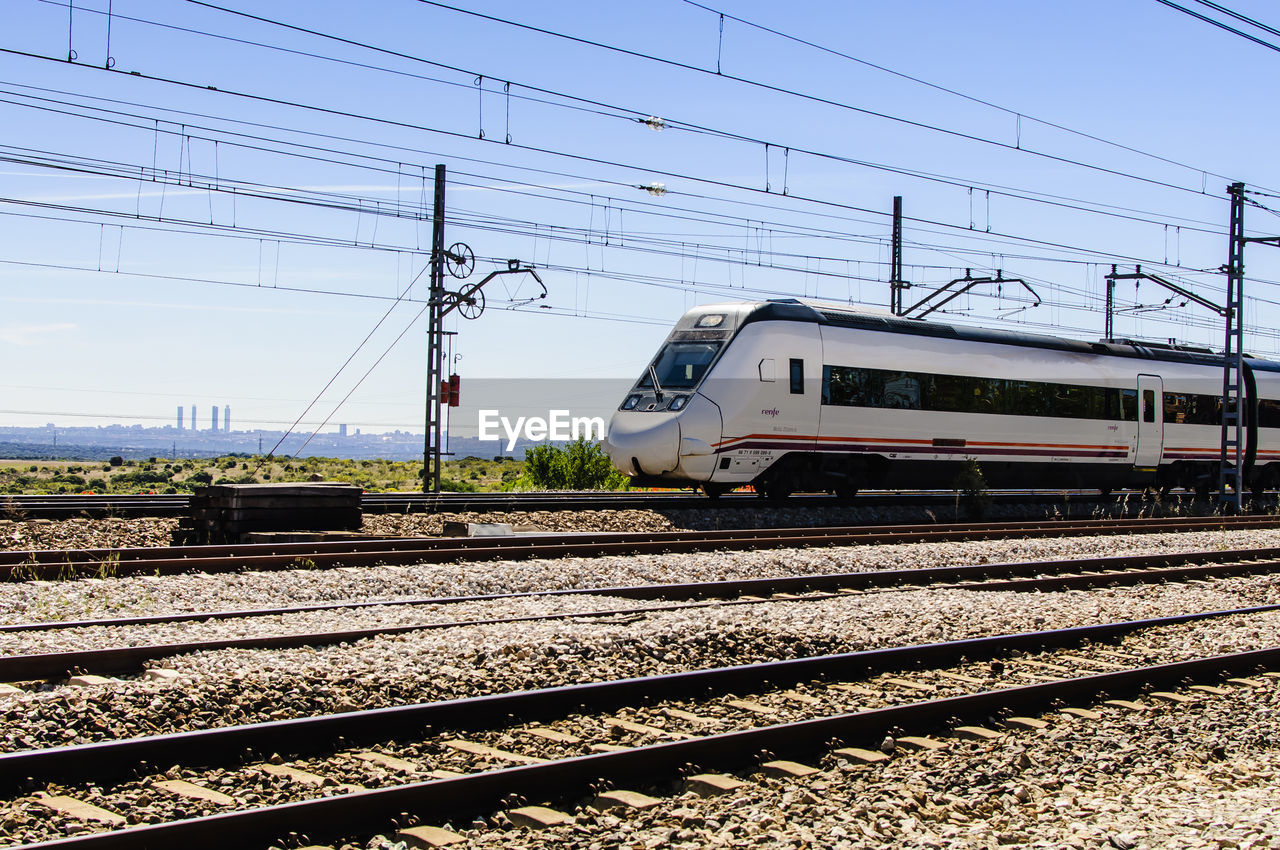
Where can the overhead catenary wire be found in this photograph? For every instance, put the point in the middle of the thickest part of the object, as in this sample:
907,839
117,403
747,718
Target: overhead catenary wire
717,248
802,95
877,212
1239,17
186,133
1220,25
690,67
477,78
577,157
190,180
1013,113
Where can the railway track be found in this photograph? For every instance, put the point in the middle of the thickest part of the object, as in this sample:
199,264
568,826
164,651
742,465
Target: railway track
67,564
1035,576
446,761
123,505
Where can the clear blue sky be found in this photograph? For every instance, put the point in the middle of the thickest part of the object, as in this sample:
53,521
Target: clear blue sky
123,296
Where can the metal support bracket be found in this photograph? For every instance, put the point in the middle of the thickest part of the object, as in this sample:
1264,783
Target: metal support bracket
970,282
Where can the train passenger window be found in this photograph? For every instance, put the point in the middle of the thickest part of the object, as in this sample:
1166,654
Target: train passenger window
1268,413
849,386
1148,405
1129,405
797,376
901,391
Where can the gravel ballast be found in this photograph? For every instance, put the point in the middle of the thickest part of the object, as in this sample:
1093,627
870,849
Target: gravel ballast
954,795
238,686
1202,775
36,601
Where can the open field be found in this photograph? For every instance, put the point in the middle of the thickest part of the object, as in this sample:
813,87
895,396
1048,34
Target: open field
160,475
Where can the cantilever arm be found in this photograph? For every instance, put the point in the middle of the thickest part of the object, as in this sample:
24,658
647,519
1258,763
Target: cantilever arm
970,282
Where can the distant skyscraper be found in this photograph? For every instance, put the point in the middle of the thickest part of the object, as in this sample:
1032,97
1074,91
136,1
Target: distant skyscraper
215,418
342,430
194,426
179,417
226,418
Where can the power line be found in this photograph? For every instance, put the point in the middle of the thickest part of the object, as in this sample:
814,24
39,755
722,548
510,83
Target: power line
797,94
1208,20
685,246
577,157
971,98
153,418
630,114
1239,17
875,212
650,210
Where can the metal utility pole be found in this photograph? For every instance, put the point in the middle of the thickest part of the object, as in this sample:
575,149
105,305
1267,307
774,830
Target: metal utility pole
896,283
1233,351
431,452
1232,455
1231,467
459,261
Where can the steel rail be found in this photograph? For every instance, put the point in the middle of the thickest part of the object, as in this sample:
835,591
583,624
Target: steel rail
381,544
63,506
156,561
1118,570
54,506
449,799
109,760
722,588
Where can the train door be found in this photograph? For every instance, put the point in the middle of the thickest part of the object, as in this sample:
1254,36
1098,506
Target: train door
1150,422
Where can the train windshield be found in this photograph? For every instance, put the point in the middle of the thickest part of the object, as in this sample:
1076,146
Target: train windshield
681,365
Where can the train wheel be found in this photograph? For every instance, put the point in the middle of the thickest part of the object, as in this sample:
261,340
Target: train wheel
846,492
713,491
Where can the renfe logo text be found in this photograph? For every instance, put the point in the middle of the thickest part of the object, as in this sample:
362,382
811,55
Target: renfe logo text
559,426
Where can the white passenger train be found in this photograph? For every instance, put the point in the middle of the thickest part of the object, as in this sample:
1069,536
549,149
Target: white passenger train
792,395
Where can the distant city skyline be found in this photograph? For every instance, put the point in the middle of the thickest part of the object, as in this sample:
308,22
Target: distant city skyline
139,441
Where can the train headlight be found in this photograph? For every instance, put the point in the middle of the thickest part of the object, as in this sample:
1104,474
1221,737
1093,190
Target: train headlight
631,402
679,402
711,320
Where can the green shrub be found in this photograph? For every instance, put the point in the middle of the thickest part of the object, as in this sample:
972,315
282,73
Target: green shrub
580,465
238,479
142,478
972,488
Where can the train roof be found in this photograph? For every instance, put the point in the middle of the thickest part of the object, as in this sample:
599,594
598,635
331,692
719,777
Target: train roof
795,310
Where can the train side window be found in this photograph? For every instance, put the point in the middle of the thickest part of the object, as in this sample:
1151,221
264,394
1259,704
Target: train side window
1148,405
1268,413
797,376
1129,405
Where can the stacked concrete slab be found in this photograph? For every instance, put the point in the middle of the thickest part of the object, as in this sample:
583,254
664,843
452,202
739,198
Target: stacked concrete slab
226,513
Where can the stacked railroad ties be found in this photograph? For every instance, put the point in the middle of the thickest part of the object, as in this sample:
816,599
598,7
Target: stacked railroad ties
249,513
